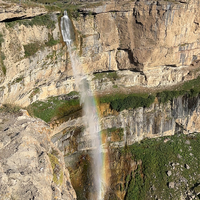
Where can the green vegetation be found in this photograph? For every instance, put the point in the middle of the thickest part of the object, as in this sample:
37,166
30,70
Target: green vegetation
42,20
135,185
18,80
73,93
166,96
116,134
31,49
131,101
72,11
57,169
2,55
1,39
51,42
34,92
108,75
80,176
190,88
2,58
10,108
120,102
157,157
55,108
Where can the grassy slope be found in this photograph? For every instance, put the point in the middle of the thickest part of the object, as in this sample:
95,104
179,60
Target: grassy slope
54,107
150,179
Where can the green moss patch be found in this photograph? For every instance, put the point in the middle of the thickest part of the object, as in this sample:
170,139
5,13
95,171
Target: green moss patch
190,88
31,49
2,58
1,39
109,75
55,107
82,177
51,42
121,102
42,20
57,170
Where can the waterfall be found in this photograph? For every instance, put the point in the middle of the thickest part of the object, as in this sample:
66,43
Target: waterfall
89,107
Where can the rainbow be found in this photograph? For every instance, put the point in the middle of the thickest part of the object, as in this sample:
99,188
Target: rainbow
104,176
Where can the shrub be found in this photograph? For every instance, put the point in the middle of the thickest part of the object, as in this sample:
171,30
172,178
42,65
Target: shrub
10,108
166,96
51,41
31,49
131,101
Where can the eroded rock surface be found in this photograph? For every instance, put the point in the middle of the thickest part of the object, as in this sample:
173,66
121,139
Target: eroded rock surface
31,167
9,11
149,44
179,116
139,35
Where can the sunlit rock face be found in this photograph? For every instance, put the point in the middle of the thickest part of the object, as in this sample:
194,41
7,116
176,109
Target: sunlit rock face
33,59
139,35
148,43
31,167
180,115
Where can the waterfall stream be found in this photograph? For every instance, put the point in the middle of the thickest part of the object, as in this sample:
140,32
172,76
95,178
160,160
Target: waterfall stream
89,108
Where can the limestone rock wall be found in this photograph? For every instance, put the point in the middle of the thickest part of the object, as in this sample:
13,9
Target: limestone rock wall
181,115
148,43
9,11
26,78
139,35
31,167
158,120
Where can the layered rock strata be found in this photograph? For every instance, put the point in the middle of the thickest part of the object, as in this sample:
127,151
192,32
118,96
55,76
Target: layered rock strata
180,115
148,43
139,35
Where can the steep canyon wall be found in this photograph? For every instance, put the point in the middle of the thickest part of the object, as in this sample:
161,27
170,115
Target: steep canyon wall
180,115
149,44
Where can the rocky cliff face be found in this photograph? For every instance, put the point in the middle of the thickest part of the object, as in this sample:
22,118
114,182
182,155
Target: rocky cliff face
32,60
139,35
180,115
158,39
149,44
31,167
126,128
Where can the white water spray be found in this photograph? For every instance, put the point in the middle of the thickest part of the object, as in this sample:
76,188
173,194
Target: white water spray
89,108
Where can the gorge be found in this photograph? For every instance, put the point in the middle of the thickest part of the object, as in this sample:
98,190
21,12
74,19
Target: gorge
140,59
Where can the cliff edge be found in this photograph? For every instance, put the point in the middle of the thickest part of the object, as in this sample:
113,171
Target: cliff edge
31,167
